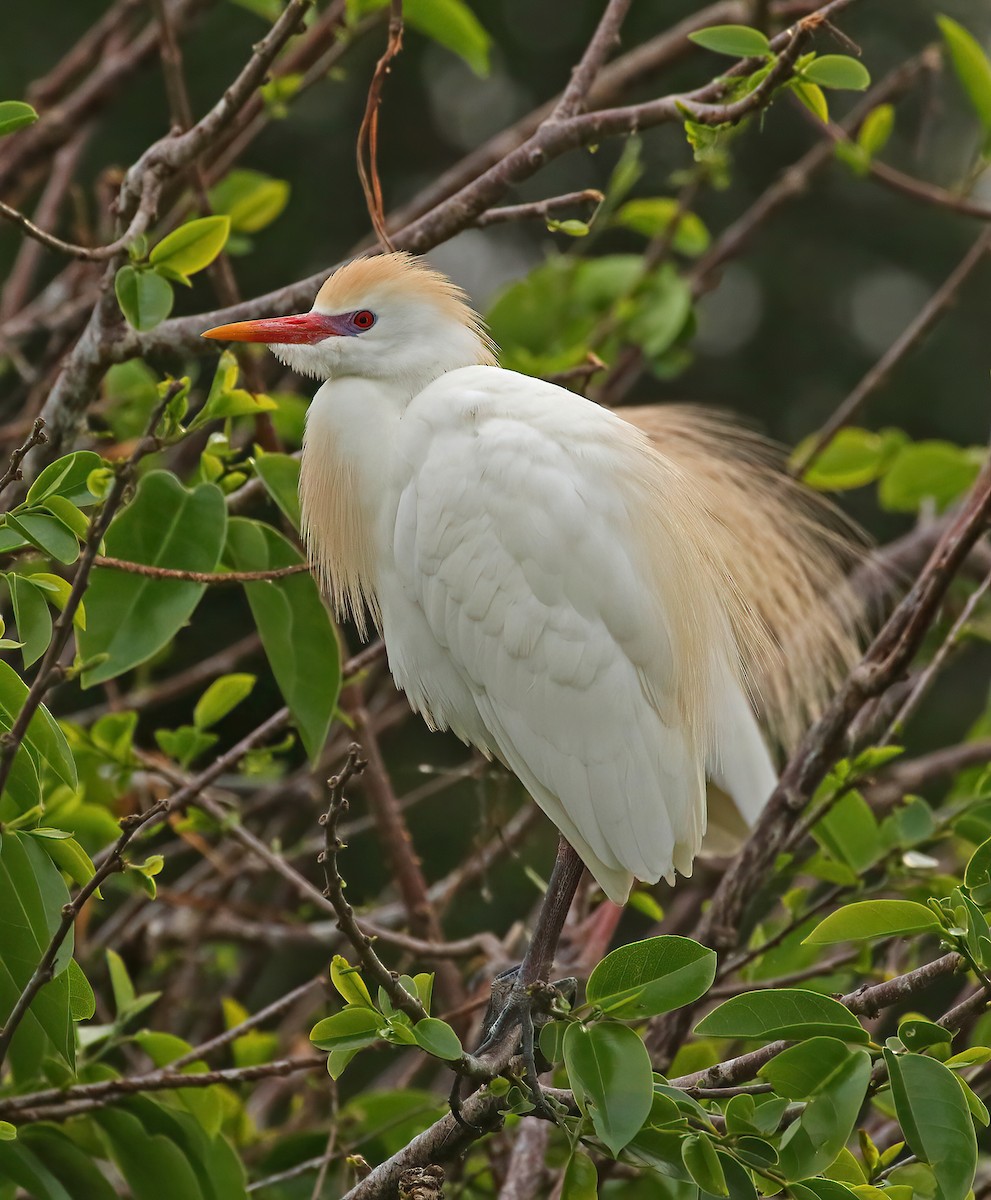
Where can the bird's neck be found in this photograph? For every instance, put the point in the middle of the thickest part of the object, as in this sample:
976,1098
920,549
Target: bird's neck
347,487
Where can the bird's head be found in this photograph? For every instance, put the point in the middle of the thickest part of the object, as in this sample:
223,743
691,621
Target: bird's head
387,317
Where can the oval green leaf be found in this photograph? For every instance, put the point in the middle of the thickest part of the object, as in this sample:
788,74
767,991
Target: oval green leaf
350,1029
789,1013
610,1074
295,627
971,65
871,920
15,114
651,977
145,298
838,71
935,1119
437,1038
192,246
739,41
131,617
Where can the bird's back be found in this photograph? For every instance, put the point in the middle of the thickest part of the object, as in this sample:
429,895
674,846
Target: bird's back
559,594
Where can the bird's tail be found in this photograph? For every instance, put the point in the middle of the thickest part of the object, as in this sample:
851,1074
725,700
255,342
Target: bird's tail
787,550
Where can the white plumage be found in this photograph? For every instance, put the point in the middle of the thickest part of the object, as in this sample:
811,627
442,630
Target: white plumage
551,585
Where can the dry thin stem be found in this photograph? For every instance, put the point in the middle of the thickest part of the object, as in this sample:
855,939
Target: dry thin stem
367,146
13,472
216,578
907,341
354,765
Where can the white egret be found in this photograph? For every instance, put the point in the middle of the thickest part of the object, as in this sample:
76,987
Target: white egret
598,608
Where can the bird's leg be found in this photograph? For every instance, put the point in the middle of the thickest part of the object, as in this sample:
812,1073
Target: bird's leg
516,993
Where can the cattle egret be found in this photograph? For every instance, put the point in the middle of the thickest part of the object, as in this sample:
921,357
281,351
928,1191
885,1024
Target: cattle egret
600,607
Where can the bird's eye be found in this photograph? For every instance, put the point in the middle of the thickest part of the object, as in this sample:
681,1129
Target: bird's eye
363,319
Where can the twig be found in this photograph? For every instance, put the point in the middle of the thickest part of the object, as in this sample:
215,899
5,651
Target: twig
85,1097
910,337
215,578
397,842
368,131
606,36
354,764
928,674
537,209
13,472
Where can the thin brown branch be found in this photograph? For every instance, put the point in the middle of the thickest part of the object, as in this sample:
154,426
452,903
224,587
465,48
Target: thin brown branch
215,578
13,472
367,145
602,42
903,345
377,971
56,1104
538,210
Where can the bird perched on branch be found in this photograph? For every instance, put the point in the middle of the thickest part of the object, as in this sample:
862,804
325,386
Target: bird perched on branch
604,608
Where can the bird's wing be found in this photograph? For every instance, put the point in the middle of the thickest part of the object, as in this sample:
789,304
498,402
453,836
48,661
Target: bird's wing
518,554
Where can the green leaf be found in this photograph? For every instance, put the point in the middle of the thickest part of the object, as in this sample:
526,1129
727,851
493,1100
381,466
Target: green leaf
919,1034
82,1000
571,227
935,1119
15,114
223,695
349,983
837,71
812,97
32,895
192,246
853,458
45,741
145,298
610,1073
789,1013
875,130
437,1038
812,1142
66,477
849,831
739,41
47,533
454,26
34,621
225,399
663,309
702,1163
295,627
67,854
652,216
350,1029
251,200
928,471
581,1180
651,977
870,920
131,617
971,64
803,1070
280,475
